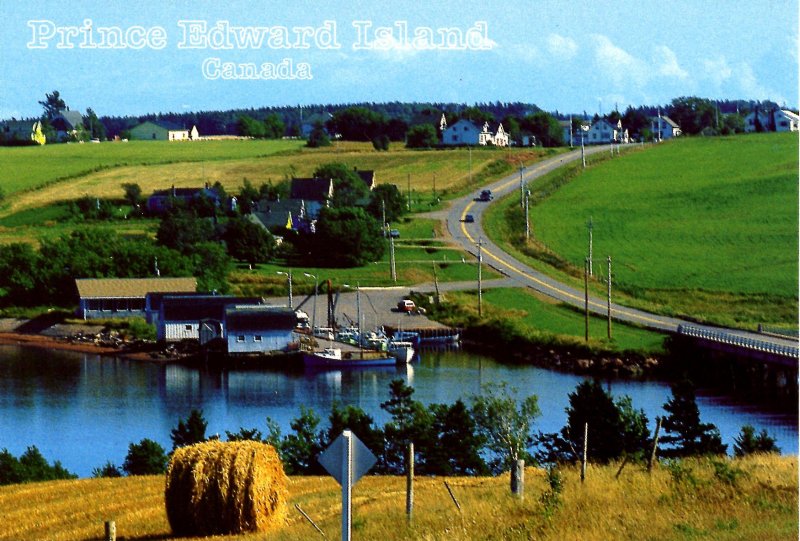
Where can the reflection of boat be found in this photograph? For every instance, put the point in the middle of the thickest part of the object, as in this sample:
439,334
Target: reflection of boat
446,338
334,358
402,351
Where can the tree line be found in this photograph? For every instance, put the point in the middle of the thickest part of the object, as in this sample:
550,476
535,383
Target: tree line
484,435
413,123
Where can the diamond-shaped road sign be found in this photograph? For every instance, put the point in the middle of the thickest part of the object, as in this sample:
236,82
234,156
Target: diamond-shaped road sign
333,459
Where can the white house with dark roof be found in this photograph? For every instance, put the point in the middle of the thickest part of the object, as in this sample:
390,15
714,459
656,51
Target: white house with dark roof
162,130
22,131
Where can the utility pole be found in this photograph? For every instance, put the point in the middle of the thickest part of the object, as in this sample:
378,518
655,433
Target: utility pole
570,131
521,185
408,178
609,297
591,227
383,215
289,278
583,151
392,267
586,297
527,219
480,282
434,188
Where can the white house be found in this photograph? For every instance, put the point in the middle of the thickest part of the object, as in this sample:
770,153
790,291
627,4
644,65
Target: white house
466,132
757,120
604,131
786,120
463,132
663,127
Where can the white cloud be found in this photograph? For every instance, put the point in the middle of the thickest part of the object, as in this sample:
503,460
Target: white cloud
751,87
619,66
525,53
667,63
561,47
717,70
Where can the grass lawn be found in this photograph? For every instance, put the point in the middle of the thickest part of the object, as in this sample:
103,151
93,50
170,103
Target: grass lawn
703,228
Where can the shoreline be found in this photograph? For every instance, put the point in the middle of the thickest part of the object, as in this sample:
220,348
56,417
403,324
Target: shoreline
63,344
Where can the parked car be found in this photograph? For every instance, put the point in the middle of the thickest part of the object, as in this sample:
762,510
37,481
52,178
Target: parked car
406,305
469,218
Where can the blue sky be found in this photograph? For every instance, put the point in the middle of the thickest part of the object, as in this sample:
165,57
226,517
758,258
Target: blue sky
568,56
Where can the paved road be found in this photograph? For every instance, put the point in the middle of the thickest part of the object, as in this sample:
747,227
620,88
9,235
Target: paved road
470,235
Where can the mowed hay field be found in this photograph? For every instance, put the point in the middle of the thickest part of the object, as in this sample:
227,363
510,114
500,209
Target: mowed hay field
705,228
39,176
746,499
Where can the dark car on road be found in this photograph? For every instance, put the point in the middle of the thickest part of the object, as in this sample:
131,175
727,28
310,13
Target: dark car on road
469,218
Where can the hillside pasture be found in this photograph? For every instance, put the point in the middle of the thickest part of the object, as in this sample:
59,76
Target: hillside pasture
42,175
704,228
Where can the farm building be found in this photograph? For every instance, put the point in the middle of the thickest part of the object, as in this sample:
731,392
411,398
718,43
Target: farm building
163,131
124,297
259,329
67,124
21,131
180,317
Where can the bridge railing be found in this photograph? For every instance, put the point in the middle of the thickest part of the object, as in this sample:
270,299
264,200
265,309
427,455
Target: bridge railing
739,341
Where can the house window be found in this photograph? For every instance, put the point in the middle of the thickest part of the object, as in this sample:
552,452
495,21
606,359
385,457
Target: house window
784,123
240,338
187,327
257,338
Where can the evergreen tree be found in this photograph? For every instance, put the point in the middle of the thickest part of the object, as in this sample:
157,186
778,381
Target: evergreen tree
684,434
456,446
748,442
191,431
145,458
299,450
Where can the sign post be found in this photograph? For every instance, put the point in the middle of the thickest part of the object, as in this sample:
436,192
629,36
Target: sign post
347,459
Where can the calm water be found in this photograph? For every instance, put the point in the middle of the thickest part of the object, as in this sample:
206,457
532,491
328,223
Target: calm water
84,410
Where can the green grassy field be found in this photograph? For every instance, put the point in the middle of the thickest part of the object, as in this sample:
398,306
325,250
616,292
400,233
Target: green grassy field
39,176
704,228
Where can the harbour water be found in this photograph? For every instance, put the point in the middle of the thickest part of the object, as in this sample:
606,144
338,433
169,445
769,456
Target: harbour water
84,410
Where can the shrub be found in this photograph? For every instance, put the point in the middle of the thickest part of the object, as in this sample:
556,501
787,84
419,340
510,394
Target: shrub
145,458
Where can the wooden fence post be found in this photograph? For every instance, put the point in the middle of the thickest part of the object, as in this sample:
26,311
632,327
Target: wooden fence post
453,496
585,451
111,531
655,446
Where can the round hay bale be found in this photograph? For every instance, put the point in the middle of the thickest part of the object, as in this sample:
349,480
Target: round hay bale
216,488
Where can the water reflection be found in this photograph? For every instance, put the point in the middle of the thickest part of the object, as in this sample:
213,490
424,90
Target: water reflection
85,410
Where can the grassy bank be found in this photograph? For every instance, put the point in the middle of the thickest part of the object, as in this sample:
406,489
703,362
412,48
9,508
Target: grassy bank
703,228
518,325
752,498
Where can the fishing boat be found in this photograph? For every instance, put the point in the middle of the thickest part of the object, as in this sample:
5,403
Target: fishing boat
402,351
407,336
333,358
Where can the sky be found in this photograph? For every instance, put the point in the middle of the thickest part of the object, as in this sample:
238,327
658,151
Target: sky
567,56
